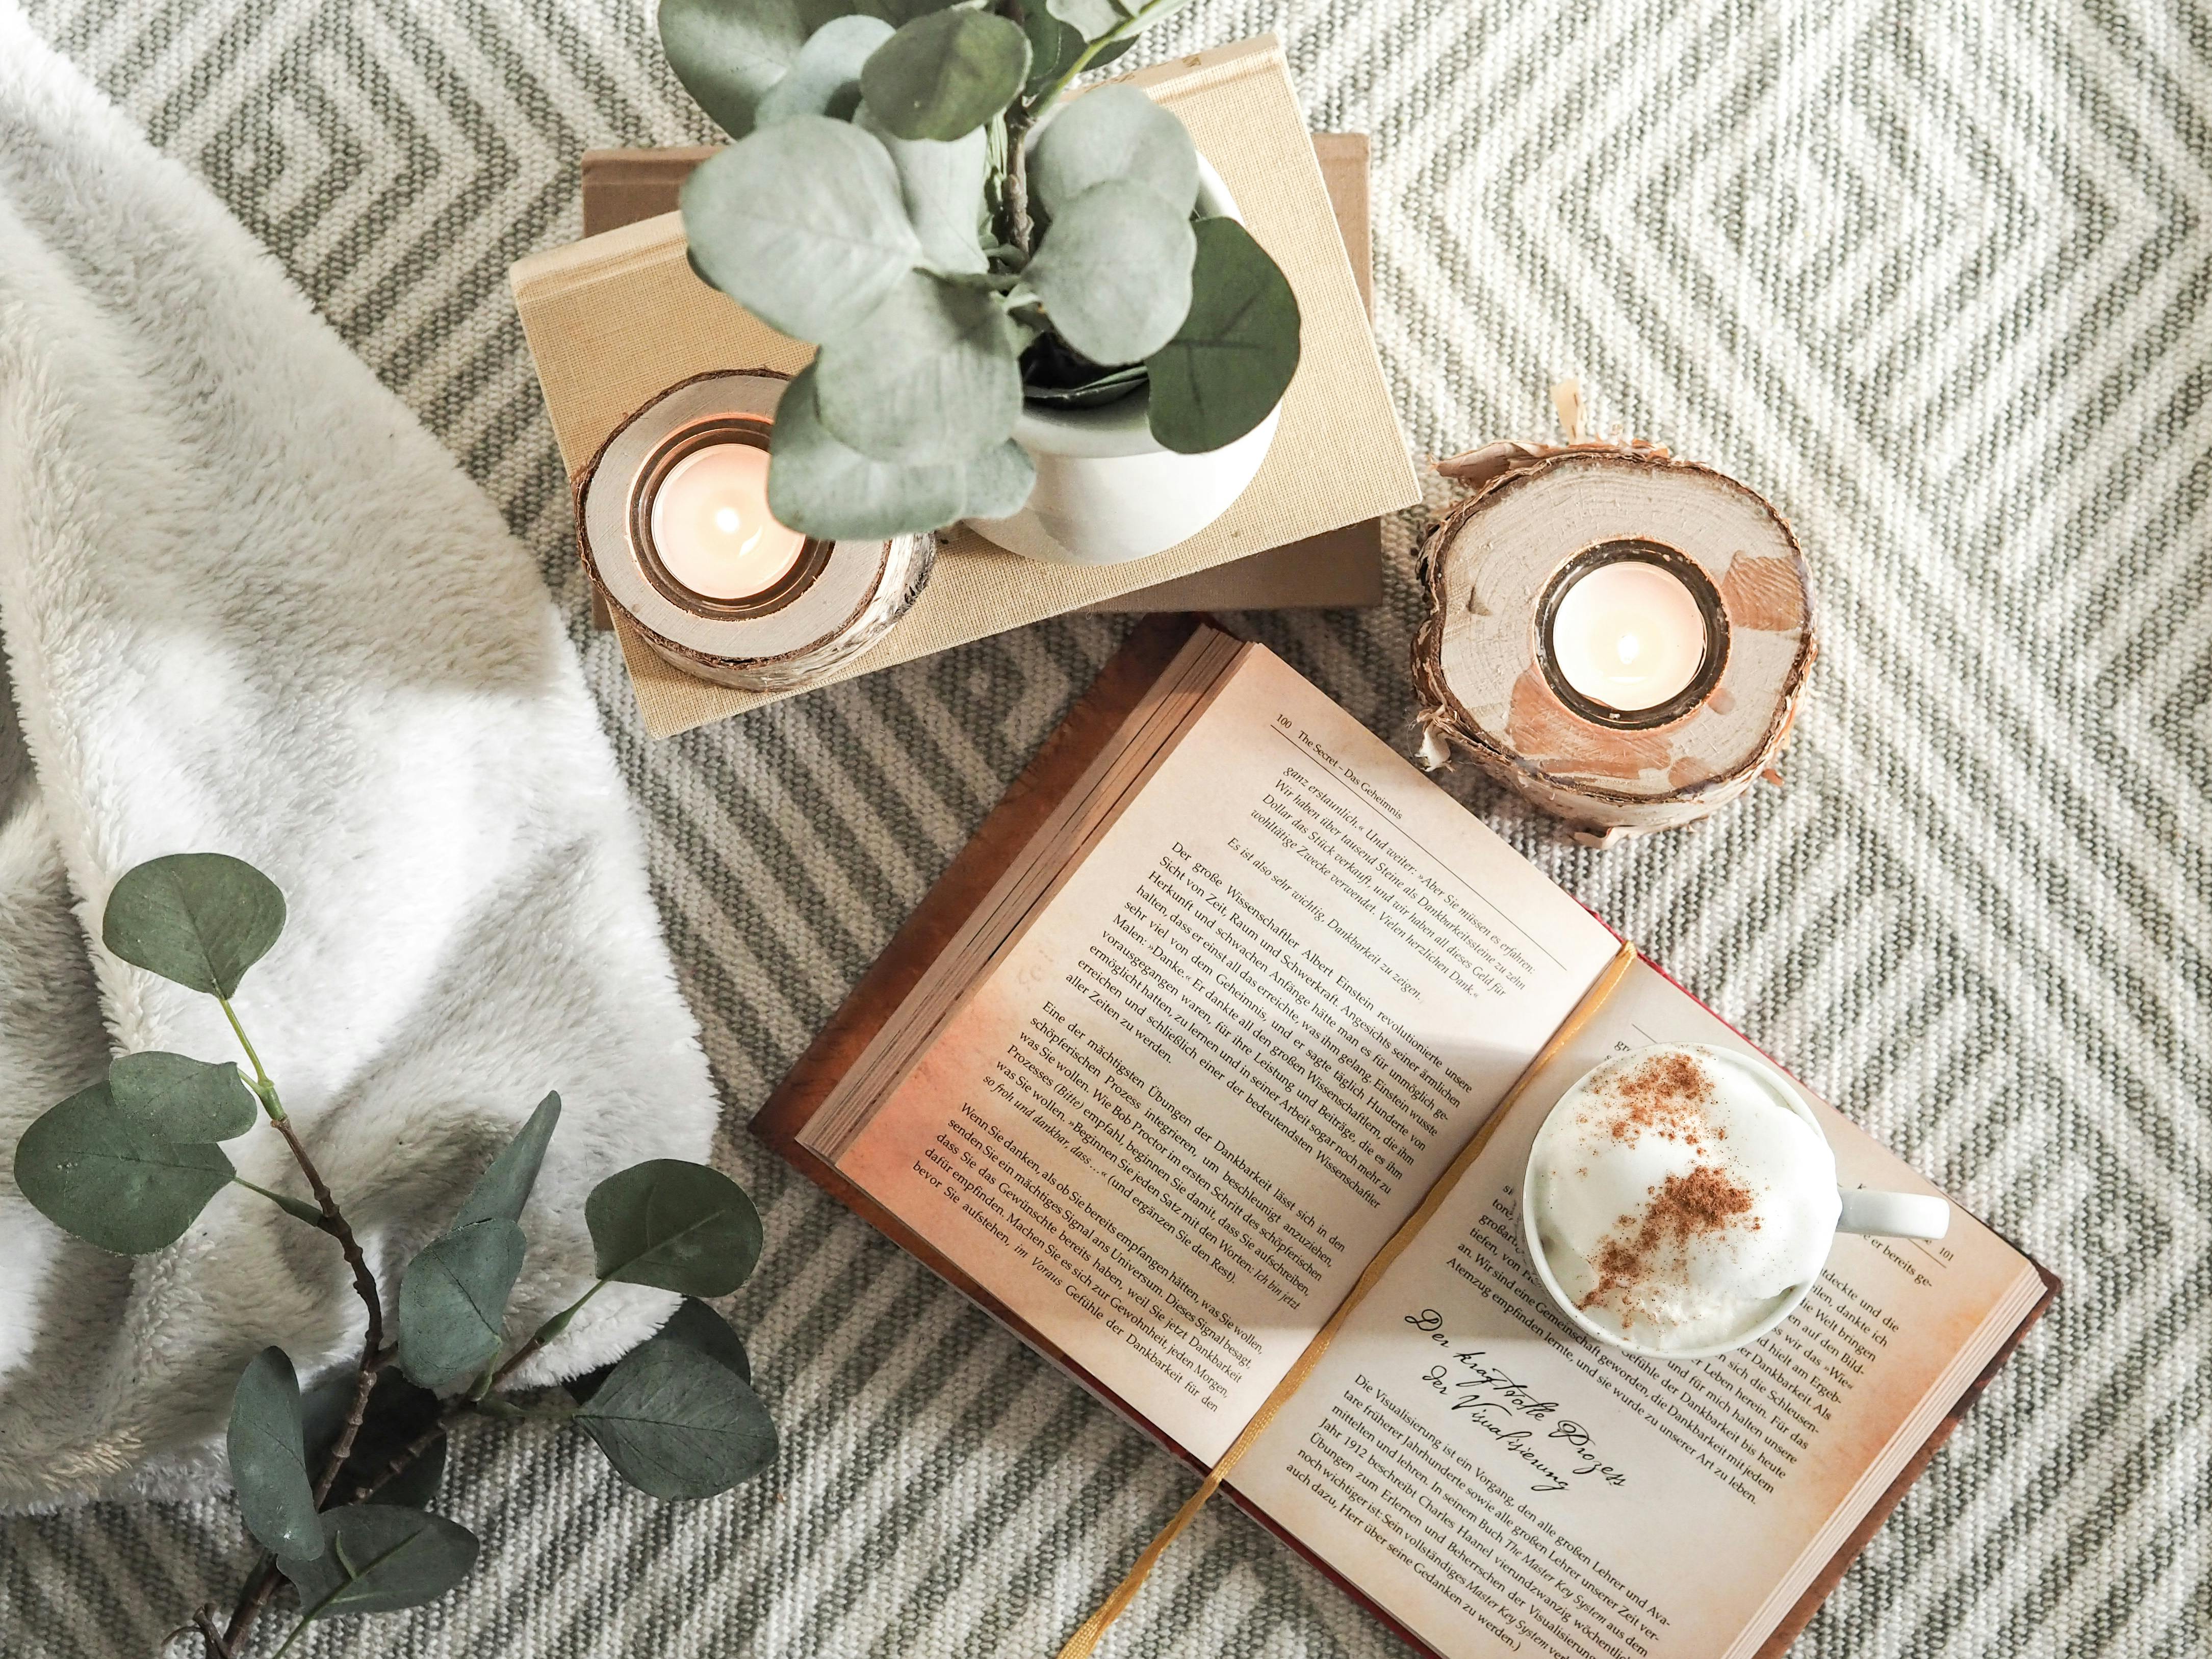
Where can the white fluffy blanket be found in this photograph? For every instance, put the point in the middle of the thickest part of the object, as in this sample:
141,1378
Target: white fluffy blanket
250,606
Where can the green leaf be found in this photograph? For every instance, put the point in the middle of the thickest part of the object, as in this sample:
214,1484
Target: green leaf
174,1097
1232,359
380,1558
1053,46
452,1302
201,919
942,188
1113,49
397,1412
1114,133
945,74
298,1208
678,1423
1108,388
504,1187
825,80
268,1458
802,223
823,487
680,1226
996,483
1115,272
697,1326
934,374
898,12
91,1173
728,53
1089,18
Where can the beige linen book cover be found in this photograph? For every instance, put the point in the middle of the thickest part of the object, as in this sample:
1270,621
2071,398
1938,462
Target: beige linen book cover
613,319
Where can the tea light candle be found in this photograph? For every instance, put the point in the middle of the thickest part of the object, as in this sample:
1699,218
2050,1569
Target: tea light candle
1629,636
712,529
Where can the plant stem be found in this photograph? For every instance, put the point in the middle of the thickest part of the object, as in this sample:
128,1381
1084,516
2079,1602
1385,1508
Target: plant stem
1022,228
372,1348
291,1206
266,1089
461,1403
258,1589
203,1621
545,1332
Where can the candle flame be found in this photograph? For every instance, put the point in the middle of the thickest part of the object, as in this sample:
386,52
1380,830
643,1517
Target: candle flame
1629,647
726,520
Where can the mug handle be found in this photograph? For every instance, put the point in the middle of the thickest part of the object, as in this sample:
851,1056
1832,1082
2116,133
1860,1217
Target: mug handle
1893,1215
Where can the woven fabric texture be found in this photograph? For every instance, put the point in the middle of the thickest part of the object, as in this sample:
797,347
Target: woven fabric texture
1935,277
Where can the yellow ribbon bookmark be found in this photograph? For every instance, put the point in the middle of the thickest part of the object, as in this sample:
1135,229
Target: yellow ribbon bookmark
1086,1640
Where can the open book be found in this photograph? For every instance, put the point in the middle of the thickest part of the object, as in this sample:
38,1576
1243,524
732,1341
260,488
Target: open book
1199,1023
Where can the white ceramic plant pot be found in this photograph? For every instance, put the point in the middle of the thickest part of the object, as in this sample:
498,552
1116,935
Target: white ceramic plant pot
1107,490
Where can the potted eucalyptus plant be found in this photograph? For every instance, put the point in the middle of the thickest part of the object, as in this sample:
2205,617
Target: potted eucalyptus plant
1038,313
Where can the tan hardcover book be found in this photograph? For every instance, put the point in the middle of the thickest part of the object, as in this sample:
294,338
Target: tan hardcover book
613,319
1338,568
1219,1007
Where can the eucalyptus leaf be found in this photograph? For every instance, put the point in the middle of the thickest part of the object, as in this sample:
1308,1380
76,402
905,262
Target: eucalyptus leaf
697,1326
452,1302
1054,47
1113,133
504,1187
1089,18
1232,359
397,1411
92,1173
1108,388
898,12
379,1558
946,74
941,184
678,1423
176,1098
1115,272
1113,49
997,483
934,374
825,78
679,1226
803,224
730,53
201,919
823,487
268,1458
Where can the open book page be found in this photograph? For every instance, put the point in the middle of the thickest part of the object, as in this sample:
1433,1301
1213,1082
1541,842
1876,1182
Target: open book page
1500,1484
1171,1125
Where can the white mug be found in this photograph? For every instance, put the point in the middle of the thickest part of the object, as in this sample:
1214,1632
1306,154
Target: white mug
1895,1215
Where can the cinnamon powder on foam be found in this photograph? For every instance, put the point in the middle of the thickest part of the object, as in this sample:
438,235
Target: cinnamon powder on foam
1664,1095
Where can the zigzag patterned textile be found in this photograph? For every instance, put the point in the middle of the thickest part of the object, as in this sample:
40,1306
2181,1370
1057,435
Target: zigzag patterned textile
1935,277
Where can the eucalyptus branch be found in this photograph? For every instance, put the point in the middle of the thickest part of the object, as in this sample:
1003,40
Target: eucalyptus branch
299,1209
203,1621
250,1601
1019,225
263,1087
129,1165
365,1286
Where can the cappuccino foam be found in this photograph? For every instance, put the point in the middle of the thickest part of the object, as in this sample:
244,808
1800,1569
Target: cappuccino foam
1679,1199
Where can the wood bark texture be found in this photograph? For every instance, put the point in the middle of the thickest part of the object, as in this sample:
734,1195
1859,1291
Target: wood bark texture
1486,564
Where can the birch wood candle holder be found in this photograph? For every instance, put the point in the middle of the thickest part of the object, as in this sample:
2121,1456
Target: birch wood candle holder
1619,636
672,522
